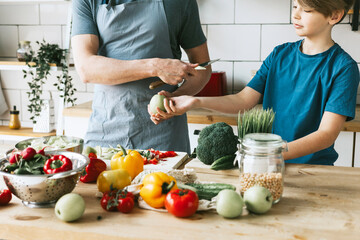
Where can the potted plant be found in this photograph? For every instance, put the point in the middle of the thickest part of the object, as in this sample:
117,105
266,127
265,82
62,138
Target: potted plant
48,55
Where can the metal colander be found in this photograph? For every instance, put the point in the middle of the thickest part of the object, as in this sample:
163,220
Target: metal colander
45,190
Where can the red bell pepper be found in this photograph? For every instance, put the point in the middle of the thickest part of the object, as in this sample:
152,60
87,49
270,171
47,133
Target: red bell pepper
167,154
57,163
93,169
5,196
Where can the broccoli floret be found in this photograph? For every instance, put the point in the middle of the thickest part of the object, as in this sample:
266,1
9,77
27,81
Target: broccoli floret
215,141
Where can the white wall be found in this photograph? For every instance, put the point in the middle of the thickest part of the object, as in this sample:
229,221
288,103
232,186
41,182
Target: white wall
240,32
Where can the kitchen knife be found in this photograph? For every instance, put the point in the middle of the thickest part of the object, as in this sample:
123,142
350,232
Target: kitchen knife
159,83
208,62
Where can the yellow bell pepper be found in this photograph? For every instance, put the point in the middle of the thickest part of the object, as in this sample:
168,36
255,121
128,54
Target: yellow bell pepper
155,187
113,179
132,162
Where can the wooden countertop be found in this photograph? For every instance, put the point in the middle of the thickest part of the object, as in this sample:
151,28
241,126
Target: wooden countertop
202,116
27,132
319,202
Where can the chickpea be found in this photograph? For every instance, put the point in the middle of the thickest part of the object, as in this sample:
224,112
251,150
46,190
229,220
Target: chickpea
271,181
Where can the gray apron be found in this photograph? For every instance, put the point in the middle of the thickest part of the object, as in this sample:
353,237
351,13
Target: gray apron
135,30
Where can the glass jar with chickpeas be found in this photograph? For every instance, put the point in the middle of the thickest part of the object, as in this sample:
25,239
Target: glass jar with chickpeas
261,163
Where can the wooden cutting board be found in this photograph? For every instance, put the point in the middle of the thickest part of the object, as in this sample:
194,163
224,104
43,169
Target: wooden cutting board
165,163
200,167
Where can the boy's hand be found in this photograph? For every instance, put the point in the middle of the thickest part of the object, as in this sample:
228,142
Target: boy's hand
176,106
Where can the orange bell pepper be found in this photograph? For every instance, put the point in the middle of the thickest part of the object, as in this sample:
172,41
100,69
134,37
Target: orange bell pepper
155,187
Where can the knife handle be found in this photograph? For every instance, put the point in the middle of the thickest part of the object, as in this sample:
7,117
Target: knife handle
156,84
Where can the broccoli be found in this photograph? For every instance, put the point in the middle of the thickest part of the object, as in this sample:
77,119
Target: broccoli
215,141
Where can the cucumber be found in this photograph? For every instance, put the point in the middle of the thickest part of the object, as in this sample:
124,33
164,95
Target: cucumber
184,186
223,163
209,190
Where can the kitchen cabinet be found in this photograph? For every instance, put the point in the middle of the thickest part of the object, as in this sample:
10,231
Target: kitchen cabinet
75,126
344,145
357,151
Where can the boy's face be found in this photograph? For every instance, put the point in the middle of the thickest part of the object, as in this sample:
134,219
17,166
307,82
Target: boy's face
308,22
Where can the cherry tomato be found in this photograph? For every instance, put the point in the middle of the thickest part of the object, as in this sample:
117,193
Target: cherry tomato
181,202
105,201
5,196
120,200
126,204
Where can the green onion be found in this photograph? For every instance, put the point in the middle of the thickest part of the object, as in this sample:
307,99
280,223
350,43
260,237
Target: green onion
256,120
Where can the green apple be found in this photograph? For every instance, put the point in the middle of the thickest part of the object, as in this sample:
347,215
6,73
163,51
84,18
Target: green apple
258,199
229,203
157,101
70,207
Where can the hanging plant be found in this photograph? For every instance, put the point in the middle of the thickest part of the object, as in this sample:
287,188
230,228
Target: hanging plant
47,55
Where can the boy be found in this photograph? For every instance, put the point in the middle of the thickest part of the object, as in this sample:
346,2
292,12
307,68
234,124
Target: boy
311,85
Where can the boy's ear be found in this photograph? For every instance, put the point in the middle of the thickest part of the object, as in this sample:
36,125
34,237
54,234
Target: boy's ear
336,17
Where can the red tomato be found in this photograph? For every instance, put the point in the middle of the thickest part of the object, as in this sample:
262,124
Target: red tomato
120,200
5,197
108,200
126,204
181,202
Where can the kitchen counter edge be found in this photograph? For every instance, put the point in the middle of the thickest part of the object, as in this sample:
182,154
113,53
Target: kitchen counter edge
202,116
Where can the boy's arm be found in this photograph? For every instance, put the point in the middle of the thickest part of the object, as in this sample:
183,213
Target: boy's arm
245,99
329,129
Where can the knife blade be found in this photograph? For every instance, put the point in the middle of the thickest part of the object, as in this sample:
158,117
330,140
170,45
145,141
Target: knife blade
208,62
159,83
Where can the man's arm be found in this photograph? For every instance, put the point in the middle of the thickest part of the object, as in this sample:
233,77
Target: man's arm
329,129
93,68
194,83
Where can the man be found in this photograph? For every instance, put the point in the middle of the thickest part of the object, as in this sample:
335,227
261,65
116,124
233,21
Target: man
124,45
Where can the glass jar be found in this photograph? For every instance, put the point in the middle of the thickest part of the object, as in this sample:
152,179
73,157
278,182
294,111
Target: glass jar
262,163
24,48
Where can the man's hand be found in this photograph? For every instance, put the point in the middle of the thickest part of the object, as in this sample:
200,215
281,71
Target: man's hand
173,71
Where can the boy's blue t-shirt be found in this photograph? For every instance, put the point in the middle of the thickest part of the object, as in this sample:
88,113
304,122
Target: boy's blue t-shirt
300,88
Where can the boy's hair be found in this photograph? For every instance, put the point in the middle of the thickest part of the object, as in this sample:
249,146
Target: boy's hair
327,7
